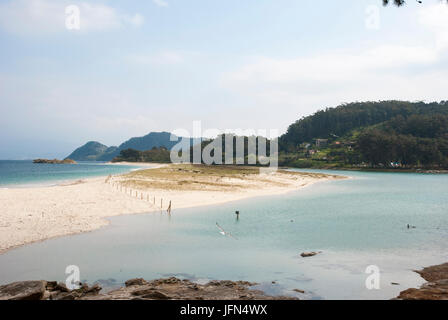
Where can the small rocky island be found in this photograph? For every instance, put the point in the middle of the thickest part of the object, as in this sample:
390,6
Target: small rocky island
55,161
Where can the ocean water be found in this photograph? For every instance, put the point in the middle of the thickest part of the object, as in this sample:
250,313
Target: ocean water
16,173
356,223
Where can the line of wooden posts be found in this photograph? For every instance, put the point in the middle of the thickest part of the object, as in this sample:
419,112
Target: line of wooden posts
119,187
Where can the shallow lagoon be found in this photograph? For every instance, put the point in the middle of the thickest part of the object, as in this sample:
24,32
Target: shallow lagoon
356,222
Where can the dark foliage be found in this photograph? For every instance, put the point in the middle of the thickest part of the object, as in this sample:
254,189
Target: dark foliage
237,148
419,140
399,3
159,155
336,122
378,134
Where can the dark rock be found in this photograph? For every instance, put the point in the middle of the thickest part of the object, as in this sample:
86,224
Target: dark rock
143,291
135,282
435,273
94,289
63,296
435,289
61,287
156,295
23,290
171,280
138,289
51,285
309,254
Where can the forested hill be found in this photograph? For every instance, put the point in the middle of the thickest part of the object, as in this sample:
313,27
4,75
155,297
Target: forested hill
387,134
336,122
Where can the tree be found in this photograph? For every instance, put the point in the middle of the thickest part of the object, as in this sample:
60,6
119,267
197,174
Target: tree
399,2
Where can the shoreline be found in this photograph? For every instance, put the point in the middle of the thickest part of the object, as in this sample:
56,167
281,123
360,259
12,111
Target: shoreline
139,289
383,170
436,288
61,182
37,214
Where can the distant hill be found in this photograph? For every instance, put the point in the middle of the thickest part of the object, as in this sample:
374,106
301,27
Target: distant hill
96,151
92,151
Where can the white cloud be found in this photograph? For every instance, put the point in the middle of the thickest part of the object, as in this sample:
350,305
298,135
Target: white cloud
160,3
332,67
435,18
387,71
135,20
48,17
293,81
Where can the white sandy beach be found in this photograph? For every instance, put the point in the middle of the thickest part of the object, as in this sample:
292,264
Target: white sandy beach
35,214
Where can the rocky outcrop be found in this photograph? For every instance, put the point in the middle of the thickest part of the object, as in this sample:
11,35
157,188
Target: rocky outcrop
25,290
137,289
45,290
176,289
55,161
435,289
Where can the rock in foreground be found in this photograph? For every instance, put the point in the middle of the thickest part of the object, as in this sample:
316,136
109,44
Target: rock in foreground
137,289
44,290
25,290
435,289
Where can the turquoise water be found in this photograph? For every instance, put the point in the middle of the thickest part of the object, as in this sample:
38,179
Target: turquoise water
24,173
355,222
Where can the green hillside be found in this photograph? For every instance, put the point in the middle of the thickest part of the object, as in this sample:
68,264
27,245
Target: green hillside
92,151
386,134
159,155
95,151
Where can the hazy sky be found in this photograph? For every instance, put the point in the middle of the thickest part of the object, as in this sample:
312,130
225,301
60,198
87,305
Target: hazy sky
141,66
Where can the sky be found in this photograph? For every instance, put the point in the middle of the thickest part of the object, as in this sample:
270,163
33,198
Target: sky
134,66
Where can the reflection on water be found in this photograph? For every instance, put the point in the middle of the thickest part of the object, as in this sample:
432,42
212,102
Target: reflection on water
355,222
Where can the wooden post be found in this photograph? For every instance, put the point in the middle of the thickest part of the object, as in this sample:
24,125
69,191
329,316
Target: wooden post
169,208
161,203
